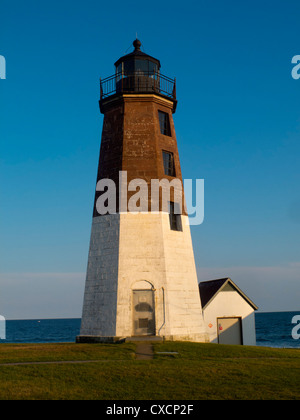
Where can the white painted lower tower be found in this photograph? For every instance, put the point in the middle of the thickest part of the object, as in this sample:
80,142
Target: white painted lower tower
131,253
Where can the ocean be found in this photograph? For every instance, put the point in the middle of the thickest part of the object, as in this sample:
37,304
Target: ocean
273,329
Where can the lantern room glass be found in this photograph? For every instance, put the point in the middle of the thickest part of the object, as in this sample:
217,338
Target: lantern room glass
136,66
137,75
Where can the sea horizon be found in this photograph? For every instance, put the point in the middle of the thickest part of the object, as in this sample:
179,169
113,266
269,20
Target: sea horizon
78,317
273,329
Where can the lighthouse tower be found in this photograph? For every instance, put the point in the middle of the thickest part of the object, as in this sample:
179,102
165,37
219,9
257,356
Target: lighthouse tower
141,275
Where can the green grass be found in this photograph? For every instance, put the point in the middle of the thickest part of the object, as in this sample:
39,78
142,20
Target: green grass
199,371
18,353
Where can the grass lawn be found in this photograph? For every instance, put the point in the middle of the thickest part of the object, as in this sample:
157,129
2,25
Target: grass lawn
198,371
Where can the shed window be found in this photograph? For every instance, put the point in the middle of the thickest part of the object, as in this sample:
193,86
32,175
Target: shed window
169,167
164,123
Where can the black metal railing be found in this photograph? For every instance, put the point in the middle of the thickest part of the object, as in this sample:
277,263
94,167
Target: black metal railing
138,82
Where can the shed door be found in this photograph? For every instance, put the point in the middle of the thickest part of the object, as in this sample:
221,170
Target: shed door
143,312
230,331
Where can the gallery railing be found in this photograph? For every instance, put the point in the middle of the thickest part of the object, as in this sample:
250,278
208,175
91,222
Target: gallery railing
138,82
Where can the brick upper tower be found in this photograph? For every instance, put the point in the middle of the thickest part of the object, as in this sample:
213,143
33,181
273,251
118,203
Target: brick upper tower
141,275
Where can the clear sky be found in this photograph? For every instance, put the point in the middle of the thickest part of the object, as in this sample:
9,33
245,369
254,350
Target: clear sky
237,126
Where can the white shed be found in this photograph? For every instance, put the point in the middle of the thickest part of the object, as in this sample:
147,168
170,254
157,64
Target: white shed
228,313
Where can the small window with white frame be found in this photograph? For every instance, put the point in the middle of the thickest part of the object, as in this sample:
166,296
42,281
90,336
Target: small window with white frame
175,217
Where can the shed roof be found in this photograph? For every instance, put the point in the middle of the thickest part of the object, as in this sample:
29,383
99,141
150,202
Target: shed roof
209,289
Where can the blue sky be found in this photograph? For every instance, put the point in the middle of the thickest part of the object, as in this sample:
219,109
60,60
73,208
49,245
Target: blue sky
237,126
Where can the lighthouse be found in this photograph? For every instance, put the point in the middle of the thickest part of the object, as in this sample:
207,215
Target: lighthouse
141,276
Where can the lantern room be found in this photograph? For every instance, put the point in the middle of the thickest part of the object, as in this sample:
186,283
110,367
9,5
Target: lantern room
137,73
137,63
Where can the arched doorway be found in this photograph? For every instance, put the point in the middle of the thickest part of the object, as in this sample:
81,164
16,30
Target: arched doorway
143,312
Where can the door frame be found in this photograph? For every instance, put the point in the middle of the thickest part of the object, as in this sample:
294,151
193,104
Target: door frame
231,317
152,290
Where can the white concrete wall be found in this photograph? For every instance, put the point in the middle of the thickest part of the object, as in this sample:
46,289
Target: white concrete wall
141,259
229,303
100,299
182,292
152,252
134,251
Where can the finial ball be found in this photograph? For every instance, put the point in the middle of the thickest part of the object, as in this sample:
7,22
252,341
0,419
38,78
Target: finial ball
137,44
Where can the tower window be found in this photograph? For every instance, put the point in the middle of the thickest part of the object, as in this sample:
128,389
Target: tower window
169,167
164,123
175,219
